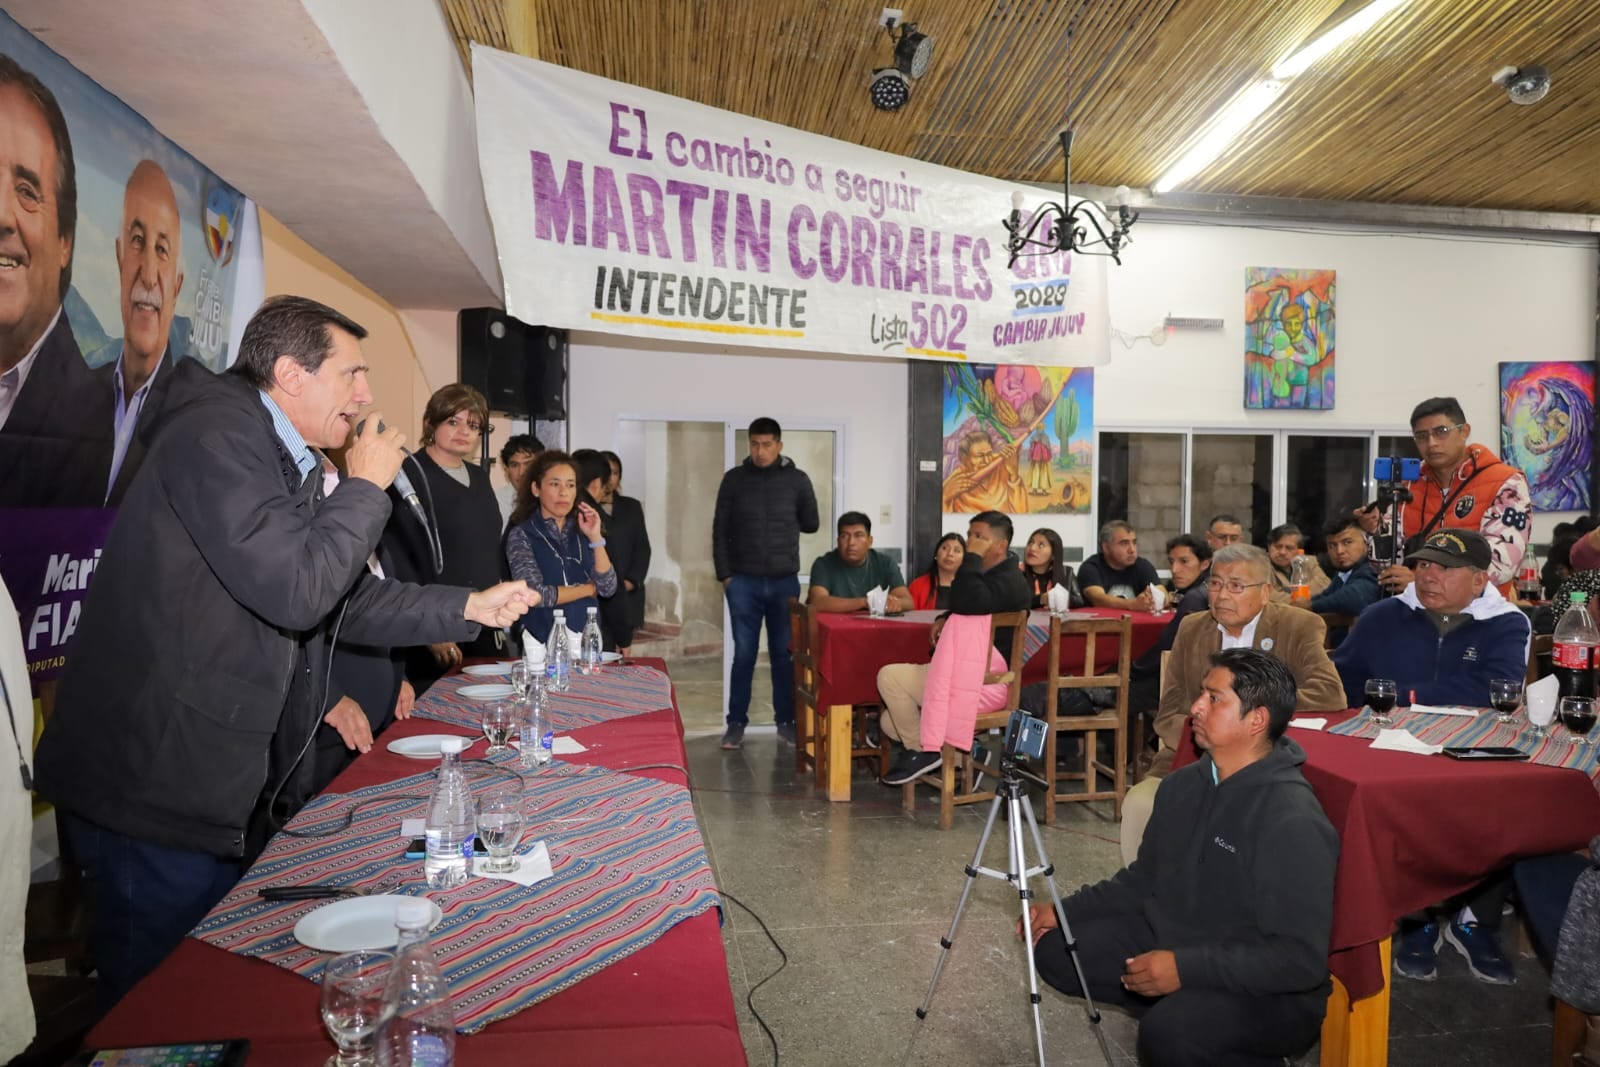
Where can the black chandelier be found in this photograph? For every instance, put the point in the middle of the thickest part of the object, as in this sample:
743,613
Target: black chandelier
1067,227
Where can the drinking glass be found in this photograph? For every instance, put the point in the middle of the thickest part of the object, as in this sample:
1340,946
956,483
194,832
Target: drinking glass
1505,696
500,822
1578,714
497,722
1381,695
352,1003
1541,712
519,680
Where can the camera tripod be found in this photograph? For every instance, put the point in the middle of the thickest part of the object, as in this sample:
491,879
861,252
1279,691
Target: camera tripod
1018,807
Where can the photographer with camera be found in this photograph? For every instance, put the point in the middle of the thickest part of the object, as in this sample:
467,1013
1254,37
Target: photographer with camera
1460,486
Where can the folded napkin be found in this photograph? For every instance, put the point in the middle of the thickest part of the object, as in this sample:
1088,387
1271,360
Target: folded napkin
1309,724
1158,597
1058,600
877,600
1397,740
1541,698
561,746
575,643
534,866
1428,709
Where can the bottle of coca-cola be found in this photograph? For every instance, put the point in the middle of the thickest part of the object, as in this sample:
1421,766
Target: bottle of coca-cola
1573,652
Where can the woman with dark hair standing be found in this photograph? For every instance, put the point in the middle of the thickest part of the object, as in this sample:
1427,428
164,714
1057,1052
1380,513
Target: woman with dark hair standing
556,546
931,589
1044,568
463,513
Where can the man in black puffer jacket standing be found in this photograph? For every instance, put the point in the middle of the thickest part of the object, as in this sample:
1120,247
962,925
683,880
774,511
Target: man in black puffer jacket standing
763,506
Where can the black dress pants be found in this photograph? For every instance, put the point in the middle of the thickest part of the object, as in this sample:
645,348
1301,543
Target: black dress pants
1188,1028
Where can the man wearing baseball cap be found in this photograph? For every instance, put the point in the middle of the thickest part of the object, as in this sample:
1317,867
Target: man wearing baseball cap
1442,640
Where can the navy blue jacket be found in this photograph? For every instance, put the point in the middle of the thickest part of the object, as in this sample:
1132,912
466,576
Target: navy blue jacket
1349,596
1396,639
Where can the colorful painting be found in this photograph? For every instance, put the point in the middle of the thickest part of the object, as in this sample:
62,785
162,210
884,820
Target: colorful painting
1546,414
1018,439
1288,321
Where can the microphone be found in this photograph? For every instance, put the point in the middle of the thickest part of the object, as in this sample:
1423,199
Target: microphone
402,482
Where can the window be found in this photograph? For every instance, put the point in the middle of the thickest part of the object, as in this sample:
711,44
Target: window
1167,481
1232,475
1141,480
1325,477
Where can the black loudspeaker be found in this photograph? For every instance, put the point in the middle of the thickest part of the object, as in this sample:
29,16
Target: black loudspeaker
520,369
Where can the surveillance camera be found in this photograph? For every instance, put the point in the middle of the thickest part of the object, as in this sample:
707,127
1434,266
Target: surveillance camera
1524,85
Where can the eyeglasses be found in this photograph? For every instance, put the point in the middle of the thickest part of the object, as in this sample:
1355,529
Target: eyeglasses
1233,585
1438,433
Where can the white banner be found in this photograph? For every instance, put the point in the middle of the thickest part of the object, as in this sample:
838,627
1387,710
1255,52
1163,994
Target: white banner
628,211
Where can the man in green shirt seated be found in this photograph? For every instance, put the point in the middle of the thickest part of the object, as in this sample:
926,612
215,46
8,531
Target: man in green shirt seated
840,579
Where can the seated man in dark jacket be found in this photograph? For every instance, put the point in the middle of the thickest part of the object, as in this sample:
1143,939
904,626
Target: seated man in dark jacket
1354,584
988,581
1442,641
1217,935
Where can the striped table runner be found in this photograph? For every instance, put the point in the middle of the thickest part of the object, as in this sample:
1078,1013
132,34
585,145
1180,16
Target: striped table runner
1483,731
615,693
628,862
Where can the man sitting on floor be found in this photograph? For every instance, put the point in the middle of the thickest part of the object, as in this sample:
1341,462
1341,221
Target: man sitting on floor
1241,616
1442,641
988,582
1217,935
840,579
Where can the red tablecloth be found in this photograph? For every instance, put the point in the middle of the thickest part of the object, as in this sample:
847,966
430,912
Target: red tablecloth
669,1003
852,648
1416,830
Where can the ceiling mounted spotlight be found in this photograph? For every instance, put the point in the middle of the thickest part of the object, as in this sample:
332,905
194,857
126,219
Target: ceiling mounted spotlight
912,50
890,89
1524,85
891,86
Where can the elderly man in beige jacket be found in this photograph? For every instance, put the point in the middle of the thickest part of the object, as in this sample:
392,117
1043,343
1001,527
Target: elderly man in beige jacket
1241,616
16,830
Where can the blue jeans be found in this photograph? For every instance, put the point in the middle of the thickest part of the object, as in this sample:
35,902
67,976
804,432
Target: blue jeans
750,601
143,899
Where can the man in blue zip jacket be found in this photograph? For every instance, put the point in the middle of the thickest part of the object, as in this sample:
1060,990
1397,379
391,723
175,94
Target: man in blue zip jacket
1442,641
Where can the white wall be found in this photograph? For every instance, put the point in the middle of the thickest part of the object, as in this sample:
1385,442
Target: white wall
612,377
1418,316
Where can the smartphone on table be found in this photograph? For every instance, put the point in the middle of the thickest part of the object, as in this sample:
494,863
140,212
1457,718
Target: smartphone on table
189,1054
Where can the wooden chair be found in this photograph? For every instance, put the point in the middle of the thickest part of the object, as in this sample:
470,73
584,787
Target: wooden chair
1539,649
1113,719
811,719
1336,623
1138,765
959,771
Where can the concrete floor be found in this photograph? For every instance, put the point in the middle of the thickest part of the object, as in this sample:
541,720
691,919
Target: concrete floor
859,894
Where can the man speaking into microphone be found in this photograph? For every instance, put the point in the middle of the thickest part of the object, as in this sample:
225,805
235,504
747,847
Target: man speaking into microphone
194,685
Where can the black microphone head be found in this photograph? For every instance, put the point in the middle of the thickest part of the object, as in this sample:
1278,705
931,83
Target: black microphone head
360,425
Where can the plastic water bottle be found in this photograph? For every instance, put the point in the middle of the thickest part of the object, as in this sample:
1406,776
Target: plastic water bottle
538,739
558,655
1300,582
589,662
1573,649
451,821
418,1026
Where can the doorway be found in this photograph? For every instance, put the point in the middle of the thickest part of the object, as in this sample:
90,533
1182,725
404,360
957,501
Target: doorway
674,467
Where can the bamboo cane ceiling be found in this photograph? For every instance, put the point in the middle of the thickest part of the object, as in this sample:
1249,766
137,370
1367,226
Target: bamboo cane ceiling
1404,114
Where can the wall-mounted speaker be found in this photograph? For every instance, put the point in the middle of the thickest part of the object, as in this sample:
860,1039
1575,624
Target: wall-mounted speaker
520,369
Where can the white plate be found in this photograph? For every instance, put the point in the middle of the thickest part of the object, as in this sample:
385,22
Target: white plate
424,746
488,670
487,693
356,923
